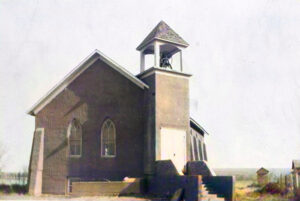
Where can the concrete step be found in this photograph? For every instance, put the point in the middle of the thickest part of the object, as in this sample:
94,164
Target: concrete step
210,196
212,199
207,195
203,191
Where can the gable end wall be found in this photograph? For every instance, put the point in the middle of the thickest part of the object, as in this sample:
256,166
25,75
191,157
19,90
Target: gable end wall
98,93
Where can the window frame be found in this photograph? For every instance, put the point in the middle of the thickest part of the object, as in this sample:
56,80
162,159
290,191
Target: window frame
196,150
69,138
192,145
200,147
102,142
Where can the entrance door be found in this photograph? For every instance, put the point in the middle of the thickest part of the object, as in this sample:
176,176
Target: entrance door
173,147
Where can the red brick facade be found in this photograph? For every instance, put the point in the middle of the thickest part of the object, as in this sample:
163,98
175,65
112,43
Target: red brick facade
97,94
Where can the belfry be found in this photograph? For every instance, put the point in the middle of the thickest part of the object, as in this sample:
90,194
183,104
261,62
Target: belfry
163,43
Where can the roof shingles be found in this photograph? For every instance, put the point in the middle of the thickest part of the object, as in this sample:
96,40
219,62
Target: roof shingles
163,32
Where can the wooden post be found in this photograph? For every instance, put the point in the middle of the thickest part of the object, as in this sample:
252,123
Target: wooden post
156,54
181,67
142,60
296,182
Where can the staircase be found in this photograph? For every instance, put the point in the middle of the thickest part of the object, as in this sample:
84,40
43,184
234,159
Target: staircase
210,186
206,194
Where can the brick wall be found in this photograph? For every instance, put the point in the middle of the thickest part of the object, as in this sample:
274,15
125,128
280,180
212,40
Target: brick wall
98,93
166,105
107,188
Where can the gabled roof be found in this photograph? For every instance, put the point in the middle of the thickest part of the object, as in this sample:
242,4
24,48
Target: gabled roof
296,164
262,171
197,126
86,63
163,32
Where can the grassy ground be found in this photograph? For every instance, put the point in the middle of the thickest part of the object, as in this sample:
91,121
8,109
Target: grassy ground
67,198
243,192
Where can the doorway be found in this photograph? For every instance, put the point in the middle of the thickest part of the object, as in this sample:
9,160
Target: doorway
173,147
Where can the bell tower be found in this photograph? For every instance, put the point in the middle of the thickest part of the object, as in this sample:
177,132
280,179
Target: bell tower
166,102
163,43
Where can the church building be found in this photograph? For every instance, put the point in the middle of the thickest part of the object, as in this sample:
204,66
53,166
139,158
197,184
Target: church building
103,124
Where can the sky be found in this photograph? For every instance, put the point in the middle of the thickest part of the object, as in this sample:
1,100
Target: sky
244,56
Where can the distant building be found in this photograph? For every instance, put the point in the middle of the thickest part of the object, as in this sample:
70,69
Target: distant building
262,176
295,172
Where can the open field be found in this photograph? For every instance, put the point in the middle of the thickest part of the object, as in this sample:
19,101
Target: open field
250,173
245,185
244,192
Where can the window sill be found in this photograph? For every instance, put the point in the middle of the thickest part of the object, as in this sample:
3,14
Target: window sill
75,156
108,156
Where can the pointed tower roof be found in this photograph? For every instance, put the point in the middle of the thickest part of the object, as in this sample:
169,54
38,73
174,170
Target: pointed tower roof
163,32
262,171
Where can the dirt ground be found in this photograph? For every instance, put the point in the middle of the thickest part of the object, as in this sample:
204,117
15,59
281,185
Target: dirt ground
65,198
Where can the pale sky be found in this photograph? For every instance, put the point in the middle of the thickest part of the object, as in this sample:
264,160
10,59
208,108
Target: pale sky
244,56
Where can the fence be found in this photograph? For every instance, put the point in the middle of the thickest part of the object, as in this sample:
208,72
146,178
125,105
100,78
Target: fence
13,178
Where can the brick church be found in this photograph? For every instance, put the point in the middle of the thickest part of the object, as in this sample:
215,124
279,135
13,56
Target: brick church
103,124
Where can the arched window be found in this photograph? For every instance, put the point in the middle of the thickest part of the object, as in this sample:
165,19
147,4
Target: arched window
205,153
196,152
108,139
75,138
200,150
